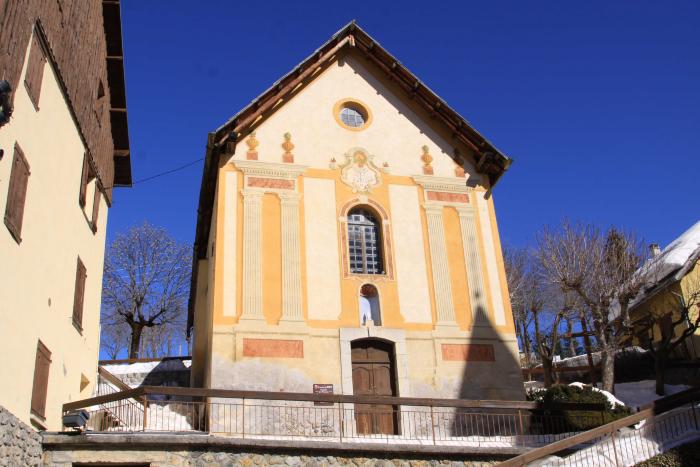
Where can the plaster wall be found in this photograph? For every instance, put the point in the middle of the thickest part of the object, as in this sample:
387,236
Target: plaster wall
264,193
38,274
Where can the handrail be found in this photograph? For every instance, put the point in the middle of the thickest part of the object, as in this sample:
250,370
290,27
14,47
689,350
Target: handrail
654,408
330,398
115,381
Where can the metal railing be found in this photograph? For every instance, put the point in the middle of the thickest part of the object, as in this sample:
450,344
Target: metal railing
655,428
124,413
338,418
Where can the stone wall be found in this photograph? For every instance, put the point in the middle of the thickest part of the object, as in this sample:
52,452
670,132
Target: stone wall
65,458
19,443
160,450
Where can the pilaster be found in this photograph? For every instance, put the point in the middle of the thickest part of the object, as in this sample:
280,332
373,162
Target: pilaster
252,254
472,259
440,268
291,257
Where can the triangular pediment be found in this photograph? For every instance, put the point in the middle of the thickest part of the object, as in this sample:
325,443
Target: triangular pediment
354,42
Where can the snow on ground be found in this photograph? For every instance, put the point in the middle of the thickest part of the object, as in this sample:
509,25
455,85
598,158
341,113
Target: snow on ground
632,446
147,367
640,393
163,418
634,394
614,401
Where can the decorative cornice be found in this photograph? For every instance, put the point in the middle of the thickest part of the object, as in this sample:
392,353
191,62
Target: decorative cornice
450,185
465,211
290,197
270,169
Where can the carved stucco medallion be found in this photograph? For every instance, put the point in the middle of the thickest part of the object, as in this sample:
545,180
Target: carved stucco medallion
359,171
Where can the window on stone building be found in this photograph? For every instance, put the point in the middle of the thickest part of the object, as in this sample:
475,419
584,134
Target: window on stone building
41,380
17,194
364,242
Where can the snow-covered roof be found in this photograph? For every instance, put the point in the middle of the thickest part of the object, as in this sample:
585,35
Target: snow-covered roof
673,260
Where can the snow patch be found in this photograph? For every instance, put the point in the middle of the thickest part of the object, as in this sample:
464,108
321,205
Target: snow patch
614,401
671,258
147,367
640,393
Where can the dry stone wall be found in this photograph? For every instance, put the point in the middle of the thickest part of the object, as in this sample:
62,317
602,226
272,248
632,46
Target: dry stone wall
66,458
19,443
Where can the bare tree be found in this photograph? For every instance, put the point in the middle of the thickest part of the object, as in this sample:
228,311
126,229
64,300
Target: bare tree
516,264
114,338
668,325
146,281
600,270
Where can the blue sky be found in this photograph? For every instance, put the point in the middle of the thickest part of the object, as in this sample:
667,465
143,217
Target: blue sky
597,102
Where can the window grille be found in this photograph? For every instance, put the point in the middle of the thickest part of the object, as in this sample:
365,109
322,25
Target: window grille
364,243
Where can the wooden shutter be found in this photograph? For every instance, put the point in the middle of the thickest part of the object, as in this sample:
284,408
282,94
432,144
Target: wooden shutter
35,70
41,380
80,275
17,193
84,179
95,207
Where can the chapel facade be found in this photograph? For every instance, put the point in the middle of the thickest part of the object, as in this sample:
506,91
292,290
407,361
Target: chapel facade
347,239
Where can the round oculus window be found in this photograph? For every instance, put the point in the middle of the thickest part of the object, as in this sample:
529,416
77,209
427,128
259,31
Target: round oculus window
352,115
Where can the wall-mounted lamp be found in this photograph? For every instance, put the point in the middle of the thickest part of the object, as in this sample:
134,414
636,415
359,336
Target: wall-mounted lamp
5,105
76,419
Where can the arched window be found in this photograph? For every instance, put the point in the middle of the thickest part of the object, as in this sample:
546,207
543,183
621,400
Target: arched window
365,243
369,305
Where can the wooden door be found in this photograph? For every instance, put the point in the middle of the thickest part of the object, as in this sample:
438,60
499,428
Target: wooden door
373,375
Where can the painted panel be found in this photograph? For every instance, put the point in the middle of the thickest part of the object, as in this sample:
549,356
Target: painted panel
448,197
230,217
273,348
274,183
322,262
468,352
491,264
411,270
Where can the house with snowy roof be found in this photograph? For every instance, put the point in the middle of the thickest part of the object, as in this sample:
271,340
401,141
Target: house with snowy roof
670,274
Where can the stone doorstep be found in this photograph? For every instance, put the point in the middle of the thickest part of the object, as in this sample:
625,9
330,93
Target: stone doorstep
189,441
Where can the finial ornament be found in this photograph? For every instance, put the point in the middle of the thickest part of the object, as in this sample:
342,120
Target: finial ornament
288,146
252,143
427,160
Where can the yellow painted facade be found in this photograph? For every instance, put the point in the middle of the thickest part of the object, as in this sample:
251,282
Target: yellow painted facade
666,300
276,277
39,274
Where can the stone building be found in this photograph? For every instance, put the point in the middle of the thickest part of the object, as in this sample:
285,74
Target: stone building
63,146
347,240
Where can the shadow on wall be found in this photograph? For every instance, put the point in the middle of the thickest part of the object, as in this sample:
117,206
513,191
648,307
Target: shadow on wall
491,372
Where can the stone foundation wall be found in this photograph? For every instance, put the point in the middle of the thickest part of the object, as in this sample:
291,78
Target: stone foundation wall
210,458
161,450
19,443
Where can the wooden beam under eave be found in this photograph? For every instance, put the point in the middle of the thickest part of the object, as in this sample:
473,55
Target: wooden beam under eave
279,95
413,89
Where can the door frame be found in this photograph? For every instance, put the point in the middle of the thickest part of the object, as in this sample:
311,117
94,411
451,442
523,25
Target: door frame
375,417
395,336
